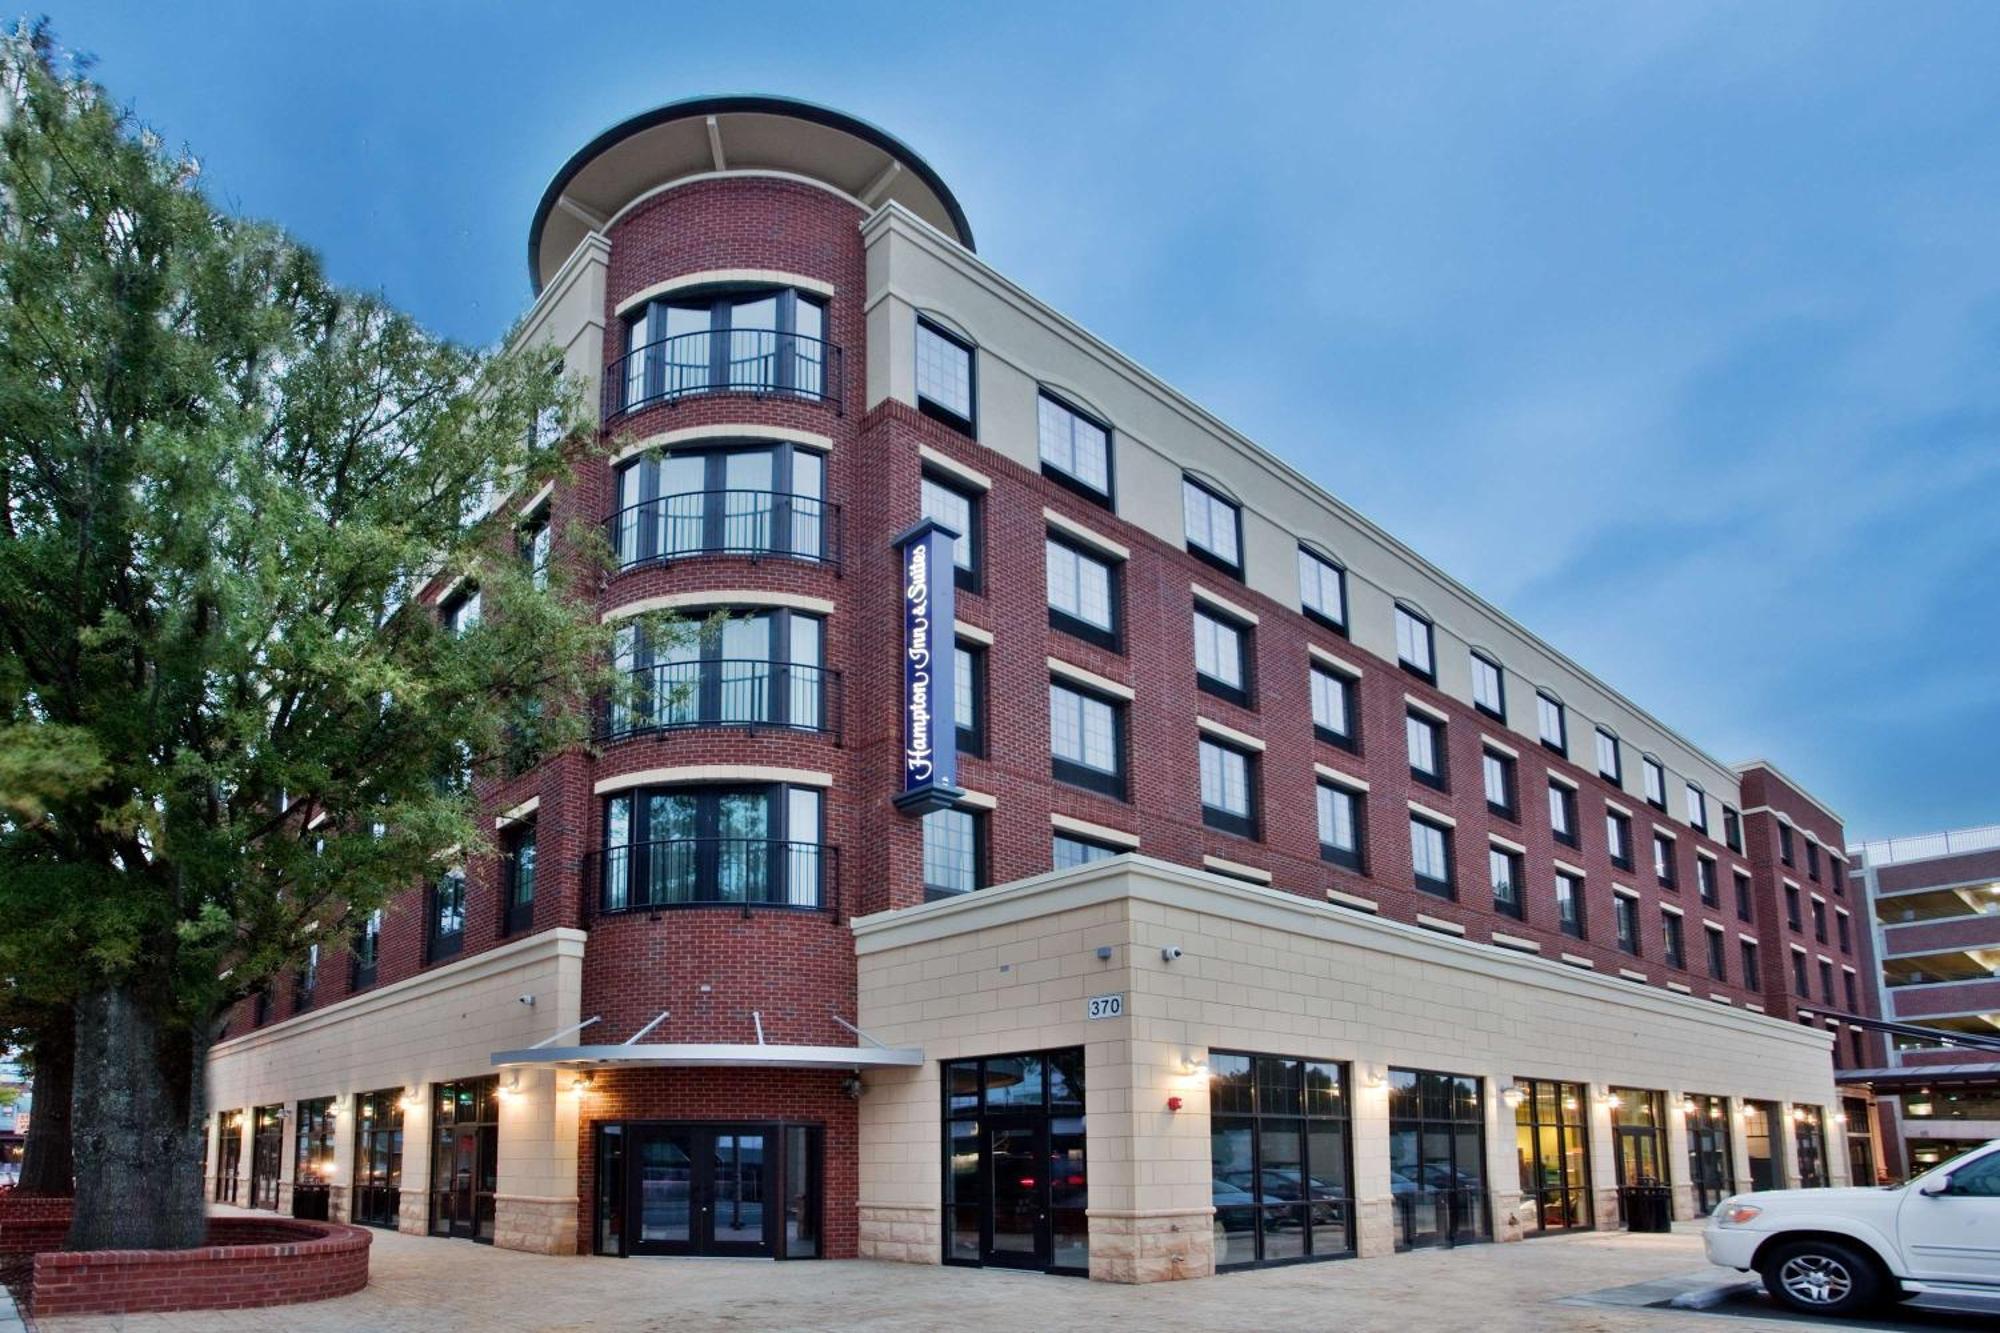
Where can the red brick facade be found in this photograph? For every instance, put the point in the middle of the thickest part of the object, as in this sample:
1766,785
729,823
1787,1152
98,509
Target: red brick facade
247,1263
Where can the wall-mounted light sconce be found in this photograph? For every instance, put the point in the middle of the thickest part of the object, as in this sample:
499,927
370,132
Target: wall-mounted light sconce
1373,1076
512,1086
1611,1099
1799,1114
1194,1066
1689,1106
410,1100
1840,1117
584,1081
1513,1095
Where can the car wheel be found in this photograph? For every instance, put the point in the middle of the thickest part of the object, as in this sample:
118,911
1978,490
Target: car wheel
1822,1277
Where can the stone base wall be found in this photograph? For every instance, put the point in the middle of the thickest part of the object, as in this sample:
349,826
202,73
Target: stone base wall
540,1226
1513,1214
1166,1246
899,1234
413,1213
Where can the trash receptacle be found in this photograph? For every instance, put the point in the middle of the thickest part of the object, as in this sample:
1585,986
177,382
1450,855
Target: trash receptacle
1648,1207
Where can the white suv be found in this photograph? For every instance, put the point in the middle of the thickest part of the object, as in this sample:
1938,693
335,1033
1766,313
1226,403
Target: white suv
1839,1251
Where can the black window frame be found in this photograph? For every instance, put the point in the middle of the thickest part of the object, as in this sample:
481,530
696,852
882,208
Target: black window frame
1516,864
1232,568
1499,714
972,739
1349,740
1560,745
1740,886
365,952
1069,481
1246,657
1819,915
1616,777
453,604
1812,860
719,303
1061,835
1747,957
533,526
1625,923
1575,924
1319,617
1618,849
966,425
793,513
973,579
1708,879
445,893
1649,769
691,693
1446,888
1245,825
517,915
1563,796
1844,928
779,859
1786,847
1115,784
1732,829
1438,778
1718,953
1510,808
1666,870
982,876
1426,672
1801,973
1298,1117
1355,859
1112,639
1697,800
1795,908
1673,939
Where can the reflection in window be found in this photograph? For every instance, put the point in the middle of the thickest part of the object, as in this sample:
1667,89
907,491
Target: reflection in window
1437,1158
1279,1159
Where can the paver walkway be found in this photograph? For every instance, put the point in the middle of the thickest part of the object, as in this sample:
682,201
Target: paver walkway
420,1285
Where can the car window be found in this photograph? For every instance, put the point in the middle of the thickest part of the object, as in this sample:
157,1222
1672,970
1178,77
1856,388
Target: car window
1981,1178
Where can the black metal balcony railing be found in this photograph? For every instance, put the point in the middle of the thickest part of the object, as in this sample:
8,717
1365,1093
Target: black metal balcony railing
724,692
755,361
713,872
752,523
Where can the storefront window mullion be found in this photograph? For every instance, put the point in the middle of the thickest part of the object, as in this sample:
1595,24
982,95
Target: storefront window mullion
1279,1159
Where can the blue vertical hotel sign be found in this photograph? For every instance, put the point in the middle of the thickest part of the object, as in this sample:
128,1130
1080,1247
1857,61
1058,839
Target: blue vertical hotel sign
930,726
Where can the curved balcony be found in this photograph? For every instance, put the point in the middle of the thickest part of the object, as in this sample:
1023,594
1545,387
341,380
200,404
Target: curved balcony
758,524
724,693
743,873
763,363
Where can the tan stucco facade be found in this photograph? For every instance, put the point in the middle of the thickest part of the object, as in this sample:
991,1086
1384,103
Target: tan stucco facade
441,1025
1011,969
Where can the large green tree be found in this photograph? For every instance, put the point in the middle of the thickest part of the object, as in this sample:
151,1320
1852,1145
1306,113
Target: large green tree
228,729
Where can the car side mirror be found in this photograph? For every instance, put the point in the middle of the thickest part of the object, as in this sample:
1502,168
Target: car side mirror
1934,1185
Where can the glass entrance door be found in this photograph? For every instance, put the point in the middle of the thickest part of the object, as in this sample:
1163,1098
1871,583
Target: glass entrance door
465,1158
228,1156
699,1189
267,1148
1710,1170
1015,1183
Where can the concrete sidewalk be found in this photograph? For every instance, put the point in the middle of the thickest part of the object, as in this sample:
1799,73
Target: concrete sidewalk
420,1285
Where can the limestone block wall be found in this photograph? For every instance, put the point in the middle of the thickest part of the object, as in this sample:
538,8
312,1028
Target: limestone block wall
1010,969
440,1025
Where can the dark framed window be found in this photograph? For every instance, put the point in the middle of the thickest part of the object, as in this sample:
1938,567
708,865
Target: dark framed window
1424,736
1718,953
1214,525
1743,912
1016,1162
1673,938
1794,908
1430,857
1497,774
366,951
1552,1142
1825,982
445,935
1437,1158
1801,979
459,613
1625,915
1504,869
1836,872
1840,920
1552,722
947,378
378,1158
1752,978
1416,644
753,846
1705,881
746,668
1697,808
1569,904
1489,686
1656,781
754,499
1228,788
771,340
1664,862
954,852
535,545
957,507
1732,829
1087,738
1851,984
1812,860
1618,839
1819,920
306,981
968,701
465,1157
1323,589
1562,813
1639,1138
1610,760
517,878
1083,593
1785,843
1075,448
1073,849
1333,708
1808,1138
1221,656
1281,1159
312,1157
1342,827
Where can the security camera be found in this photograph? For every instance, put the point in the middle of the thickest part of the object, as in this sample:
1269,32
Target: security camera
1170,953
528,1000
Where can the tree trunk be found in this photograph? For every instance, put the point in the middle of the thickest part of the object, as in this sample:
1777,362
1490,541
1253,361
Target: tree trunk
45,1157
138,1131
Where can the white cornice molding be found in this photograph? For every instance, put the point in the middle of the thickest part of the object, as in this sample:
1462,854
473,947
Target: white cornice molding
720,277
685,773
719,597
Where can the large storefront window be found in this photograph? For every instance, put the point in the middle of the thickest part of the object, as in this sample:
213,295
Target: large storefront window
1015,1181
465,1157
1711,1166
378,1158
1279,1153
1437,1158
267,1155
1809,1139
1861,1166
1759,1146
695,846
1639,1139
1549,1139
228,1156
312,1158
692,1188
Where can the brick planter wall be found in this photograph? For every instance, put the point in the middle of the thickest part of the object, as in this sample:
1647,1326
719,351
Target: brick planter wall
250,1262
35,1208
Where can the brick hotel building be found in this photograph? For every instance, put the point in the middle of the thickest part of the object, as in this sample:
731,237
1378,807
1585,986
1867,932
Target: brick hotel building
1288,901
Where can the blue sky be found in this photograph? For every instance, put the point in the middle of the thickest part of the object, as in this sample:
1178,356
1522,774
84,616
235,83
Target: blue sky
1674,329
